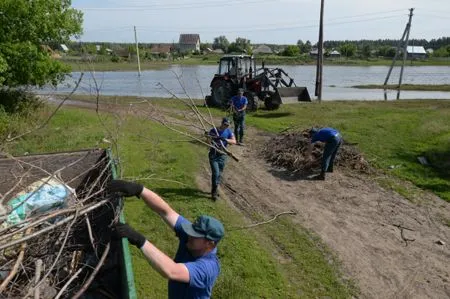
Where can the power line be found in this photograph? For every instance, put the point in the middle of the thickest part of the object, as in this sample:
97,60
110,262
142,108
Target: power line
271,28
166,6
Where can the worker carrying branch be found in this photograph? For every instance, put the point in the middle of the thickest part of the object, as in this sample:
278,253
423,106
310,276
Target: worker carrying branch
220,138
333,140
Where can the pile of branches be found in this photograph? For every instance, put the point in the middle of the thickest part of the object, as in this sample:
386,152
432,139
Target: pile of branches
290,151
58,253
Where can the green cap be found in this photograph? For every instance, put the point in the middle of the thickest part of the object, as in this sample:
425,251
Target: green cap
205,227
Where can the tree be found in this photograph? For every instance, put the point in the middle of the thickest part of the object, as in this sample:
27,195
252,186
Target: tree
291,51
348,50
300,45
28,27
366,51
307,47
442,52
221,42
240,45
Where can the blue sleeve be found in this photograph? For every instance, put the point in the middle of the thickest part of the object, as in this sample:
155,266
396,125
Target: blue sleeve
178,229
230,134
202,273
245,101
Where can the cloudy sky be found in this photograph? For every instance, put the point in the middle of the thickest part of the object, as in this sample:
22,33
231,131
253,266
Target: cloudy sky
261,21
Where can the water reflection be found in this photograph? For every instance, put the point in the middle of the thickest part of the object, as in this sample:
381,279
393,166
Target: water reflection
194,81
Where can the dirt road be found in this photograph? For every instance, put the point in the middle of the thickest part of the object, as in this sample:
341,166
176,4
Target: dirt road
386,243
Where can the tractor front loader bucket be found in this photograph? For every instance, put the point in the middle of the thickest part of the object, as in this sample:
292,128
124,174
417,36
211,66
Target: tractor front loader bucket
290,94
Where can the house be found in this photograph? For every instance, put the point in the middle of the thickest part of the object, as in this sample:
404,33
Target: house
416,52
164,49
335,54
189,43
314,52
64,48
263,49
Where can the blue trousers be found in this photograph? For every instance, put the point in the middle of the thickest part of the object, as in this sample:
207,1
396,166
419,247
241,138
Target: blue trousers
217,163
239,124
329,153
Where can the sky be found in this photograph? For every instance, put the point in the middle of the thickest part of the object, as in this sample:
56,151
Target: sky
261,21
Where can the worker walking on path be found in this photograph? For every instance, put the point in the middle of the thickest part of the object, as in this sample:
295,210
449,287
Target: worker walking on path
220,138
333,140
238,105
194,270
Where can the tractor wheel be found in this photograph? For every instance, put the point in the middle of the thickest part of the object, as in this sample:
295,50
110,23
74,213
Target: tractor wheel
271,102
221,94
209,101
252,101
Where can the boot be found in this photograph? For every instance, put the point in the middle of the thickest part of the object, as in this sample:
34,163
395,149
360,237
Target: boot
321,176
330,169
214,193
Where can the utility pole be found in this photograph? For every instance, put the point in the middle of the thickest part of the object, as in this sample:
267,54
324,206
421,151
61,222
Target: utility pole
319,71
408,28
403,43
137,52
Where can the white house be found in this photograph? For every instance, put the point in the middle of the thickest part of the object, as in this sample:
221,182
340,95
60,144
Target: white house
189,43
416,52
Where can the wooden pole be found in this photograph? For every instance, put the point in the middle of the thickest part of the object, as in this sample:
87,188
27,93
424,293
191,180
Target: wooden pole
405,54
137,52
319,71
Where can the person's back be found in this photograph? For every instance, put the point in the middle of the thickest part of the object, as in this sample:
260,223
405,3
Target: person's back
324,134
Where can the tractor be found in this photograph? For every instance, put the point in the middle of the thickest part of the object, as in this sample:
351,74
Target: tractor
269,85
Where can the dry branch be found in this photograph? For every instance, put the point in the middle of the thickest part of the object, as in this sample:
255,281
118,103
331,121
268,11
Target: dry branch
290,151
92,276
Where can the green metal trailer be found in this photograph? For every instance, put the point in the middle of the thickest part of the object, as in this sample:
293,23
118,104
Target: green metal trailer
87,172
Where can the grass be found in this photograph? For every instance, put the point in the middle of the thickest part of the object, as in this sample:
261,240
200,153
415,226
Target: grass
388,133
211,59
424,87
250,268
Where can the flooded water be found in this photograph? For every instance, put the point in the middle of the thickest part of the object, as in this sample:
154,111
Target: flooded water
337,81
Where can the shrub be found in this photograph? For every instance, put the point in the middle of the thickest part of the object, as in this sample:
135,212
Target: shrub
19,101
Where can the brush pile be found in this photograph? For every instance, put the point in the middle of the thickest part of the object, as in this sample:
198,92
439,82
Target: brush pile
290,151
52,247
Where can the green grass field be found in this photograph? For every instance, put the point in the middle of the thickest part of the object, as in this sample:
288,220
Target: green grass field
424,87
393,133
249,267
390,133
212,59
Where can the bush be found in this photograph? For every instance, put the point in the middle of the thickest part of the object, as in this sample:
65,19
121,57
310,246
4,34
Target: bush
19,101
115,58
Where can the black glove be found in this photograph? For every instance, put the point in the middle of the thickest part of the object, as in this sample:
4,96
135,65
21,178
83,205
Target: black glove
125,188
219,138
125,231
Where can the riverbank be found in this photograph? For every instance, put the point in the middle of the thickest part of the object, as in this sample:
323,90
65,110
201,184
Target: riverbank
105,64
421,87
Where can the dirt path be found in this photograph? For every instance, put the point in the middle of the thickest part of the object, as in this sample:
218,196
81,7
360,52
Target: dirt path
369,228
387,244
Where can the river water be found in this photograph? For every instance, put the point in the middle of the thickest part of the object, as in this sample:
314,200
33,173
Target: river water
194,81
